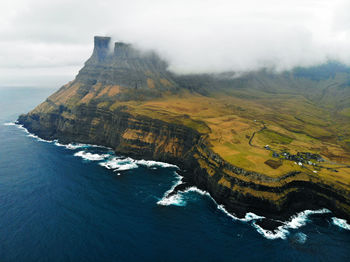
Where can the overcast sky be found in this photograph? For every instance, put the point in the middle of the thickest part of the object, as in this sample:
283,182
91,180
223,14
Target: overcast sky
45,42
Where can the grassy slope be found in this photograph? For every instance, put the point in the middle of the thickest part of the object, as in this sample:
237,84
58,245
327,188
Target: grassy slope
317,122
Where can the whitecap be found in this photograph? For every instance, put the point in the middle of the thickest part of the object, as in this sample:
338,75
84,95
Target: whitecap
178,198
295,222
300,219
119,164
248,216
197,190
280,232
73,146
175,199
38,138
90,156
22,128
58,144
342,223
115,162
19,126
151,163
126,167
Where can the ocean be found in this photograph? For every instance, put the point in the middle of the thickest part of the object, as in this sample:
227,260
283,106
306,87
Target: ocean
80,202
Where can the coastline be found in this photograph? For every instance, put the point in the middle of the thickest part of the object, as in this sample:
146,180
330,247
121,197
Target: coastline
269,228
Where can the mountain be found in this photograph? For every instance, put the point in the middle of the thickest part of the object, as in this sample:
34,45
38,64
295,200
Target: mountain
263,142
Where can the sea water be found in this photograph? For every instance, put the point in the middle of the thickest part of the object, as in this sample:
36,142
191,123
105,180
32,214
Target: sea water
80,202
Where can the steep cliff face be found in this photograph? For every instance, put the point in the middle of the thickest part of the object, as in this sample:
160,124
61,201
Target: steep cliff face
127,100
239,190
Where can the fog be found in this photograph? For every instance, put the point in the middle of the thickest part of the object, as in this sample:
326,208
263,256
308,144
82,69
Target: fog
44,43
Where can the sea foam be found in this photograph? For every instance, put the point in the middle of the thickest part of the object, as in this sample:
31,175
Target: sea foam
281,232
10,124
342,223
119,164
28,133
90,156
174,199
295,222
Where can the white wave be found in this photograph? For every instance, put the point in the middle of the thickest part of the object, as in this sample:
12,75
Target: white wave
90,156
197,190
73,146
28,133
38,138
175,199
126,167
22,128
119,164
340,223
56,143
248,217
151,163
115,162
300,219
178,198
280,232
221,208
296,221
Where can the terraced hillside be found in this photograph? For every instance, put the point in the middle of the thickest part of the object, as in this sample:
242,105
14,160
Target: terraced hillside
272,143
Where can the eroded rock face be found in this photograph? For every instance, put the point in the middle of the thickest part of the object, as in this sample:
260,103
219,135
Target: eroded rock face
238,190
83,111
124,65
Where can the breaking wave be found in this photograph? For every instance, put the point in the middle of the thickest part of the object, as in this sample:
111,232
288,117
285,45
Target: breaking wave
281,232
120,164
342,223
295,222
27,132
174,199
108,160
91,156
38,138
74,146
10,124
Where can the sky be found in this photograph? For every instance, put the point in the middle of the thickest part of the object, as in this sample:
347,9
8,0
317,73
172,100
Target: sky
45,43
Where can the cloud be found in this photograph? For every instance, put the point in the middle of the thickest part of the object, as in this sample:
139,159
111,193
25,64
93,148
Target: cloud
193,35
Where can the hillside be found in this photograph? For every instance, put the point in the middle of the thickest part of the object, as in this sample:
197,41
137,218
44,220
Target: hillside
272,143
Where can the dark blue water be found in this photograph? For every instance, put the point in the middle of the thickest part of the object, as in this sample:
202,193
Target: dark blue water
55,206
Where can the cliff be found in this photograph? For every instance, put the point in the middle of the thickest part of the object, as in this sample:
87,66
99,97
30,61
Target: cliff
214,127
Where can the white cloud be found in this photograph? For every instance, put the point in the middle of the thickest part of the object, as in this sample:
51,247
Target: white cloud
194,35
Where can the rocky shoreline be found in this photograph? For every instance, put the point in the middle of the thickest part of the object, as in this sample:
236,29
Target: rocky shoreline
237,190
